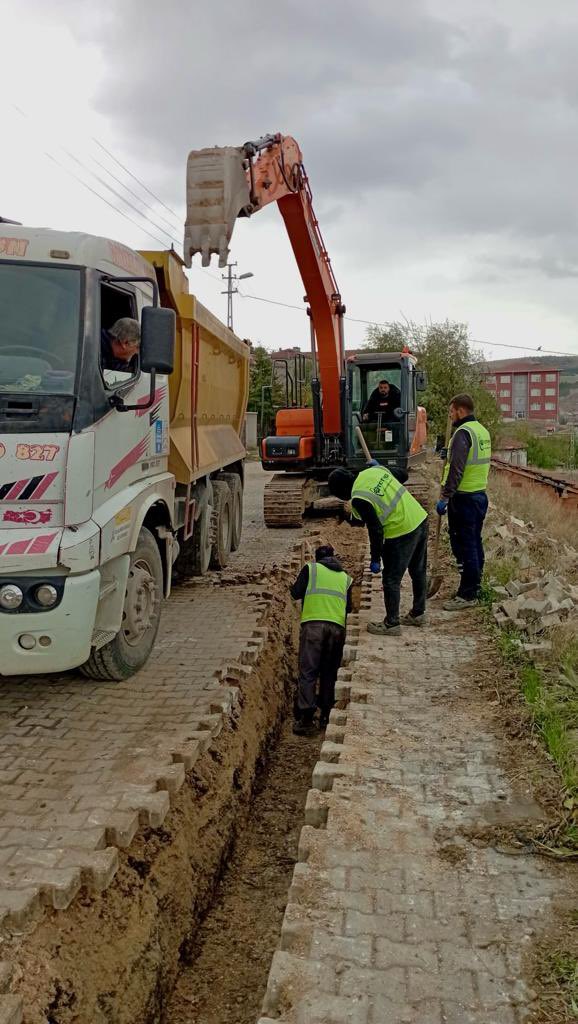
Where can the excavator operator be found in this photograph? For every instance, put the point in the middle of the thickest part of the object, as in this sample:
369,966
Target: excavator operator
384,399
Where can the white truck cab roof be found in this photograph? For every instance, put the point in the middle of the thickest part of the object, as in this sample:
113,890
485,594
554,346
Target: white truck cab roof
71,247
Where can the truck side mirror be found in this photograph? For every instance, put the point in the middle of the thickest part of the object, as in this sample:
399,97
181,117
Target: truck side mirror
157,339
420,380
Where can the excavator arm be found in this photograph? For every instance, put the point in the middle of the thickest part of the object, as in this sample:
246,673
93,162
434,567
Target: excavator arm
224,183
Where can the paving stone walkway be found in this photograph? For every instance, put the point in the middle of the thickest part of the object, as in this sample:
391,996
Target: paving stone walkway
394,917
85,765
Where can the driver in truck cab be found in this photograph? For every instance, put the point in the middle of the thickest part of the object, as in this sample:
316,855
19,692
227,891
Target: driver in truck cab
119,346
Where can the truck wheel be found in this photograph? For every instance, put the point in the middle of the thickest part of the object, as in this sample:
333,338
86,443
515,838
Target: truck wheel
132,645
195,553
236,487
201,541
222,524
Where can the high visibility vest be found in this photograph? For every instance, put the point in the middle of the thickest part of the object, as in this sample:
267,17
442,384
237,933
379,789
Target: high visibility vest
477,467
326,595
397,510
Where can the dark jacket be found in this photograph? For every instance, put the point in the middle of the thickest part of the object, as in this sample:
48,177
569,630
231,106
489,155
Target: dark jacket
299,587
384,404
108,361
459,455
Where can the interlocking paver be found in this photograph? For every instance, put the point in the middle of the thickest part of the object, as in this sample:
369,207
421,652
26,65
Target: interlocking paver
86,764
435,927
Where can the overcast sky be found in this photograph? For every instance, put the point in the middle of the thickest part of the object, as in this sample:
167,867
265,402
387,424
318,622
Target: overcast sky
440,138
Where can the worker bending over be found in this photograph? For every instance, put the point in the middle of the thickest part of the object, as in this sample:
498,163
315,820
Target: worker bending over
325,591
464,483
398,530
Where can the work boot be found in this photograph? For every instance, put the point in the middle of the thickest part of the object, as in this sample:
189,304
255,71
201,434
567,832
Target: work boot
457,604
323,719
382,629
304,729
414,620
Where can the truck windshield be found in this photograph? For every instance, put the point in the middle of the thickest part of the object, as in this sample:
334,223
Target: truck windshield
39,328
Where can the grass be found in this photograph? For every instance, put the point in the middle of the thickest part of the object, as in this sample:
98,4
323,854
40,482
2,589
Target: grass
551,694
560,975
548,514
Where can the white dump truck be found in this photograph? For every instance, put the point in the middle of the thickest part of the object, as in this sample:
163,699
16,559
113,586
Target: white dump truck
107,475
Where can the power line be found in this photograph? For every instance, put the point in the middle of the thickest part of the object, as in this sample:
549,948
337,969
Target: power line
378,323
127,202
141,183
103,198
112,206
131,192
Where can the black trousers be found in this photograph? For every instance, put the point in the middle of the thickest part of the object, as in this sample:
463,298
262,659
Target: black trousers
466,514
320,653
401,555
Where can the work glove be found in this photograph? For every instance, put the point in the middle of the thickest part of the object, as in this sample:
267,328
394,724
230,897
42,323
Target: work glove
375,567
373,462
442,506
443,454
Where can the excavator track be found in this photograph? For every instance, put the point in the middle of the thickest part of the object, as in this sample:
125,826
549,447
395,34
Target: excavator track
284,500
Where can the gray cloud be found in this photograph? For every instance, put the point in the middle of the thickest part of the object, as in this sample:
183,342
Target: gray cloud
431,121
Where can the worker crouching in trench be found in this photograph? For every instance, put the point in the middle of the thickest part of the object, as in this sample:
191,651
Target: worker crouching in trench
324,589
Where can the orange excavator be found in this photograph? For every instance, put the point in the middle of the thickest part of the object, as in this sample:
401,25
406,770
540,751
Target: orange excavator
224,183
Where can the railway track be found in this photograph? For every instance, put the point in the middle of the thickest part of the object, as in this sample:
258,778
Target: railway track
521,476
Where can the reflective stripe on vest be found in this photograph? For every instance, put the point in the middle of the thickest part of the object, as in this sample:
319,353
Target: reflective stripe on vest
477,467
397,510
326,595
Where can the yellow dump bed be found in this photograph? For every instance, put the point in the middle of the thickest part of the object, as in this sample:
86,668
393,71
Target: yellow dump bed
209,386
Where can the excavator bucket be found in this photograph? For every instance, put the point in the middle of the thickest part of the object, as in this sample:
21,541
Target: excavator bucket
217,192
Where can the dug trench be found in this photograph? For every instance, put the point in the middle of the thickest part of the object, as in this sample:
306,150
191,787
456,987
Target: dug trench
187,929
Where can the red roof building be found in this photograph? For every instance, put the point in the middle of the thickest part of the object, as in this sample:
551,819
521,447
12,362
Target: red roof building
525,391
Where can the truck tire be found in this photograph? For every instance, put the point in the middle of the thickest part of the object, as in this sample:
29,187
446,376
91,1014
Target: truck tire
222,524
132,645
236,488
195,554
202,547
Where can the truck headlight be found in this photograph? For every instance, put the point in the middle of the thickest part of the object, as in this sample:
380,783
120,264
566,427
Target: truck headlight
10,597
46,595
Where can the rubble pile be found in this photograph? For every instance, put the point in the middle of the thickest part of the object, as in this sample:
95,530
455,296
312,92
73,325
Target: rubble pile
517,541
537,604
537,599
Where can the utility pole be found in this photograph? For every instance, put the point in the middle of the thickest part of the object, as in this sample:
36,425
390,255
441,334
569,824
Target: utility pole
231,290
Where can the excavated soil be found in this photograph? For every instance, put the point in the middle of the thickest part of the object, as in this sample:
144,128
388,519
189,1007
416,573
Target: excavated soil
116,958
224,981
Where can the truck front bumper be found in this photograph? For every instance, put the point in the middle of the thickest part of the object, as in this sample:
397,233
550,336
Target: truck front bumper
62,636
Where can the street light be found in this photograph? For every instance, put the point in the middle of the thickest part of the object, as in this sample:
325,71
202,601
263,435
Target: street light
230,278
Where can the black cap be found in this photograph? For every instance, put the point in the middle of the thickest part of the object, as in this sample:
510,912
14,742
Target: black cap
325,551
341,483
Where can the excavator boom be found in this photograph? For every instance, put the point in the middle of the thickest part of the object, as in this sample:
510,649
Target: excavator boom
224,183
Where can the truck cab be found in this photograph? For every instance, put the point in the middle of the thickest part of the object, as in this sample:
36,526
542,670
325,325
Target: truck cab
86,499
396,436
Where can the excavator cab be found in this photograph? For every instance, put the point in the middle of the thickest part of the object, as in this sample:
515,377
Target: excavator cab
383,389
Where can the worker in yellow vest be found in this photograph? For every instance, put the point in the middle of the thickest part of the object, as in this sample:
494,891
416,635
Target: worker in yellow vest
398,531
464,498
324,589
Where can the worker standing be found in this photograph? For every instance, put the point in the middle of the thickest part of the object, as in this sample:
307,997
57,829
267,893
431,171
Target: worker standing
398,532
325,591
464,483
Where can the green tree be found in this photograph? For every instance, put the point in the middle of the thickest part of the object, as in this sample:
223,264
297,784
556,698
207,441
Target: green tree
265,391
452,364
